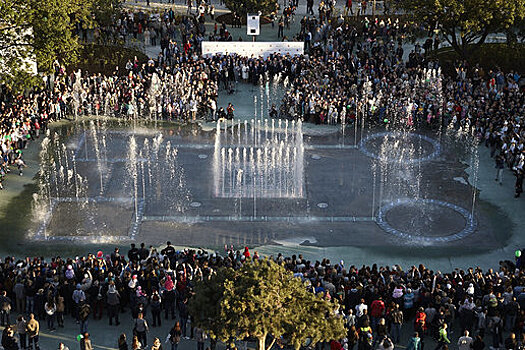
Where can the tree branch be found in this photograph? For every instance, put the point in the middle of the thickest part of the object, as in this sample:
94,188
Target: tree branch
271,344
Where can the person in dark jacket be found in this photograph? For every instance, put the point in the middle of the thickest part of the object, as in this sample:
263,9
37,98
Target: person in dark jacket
122,342
478,343
8,339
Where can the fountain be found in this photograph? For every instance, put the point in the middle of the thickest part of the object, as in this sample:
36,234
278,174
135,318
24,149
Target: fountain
95,195
259,163
404,205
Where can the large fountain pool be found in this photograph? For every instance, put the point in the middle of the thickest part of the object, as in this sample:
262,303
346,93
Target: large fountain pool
254,182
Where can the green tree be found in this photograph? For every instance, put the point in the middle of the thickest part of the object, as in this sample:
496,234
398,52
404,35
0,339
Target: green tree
42,31
465,24
54,23
16,65
262,300
244,7
106,12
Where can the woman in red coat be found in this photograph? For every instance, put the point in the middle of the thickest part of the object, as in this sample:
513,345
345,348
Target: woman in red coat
420,324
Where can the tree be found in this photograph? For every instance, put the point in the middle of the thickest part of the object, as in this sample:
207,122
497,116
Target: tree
466,24
263,300
54,23
42,31
244,7
105,12
16,64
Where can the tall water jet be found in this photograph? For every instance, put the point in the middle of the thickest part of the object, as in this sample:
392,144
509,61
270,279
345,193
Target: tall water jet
133,172
269,169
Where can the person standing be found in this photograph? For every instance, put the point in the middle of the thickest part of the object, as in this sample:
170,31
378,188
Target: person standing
32,330
141,328
156,344
174,336
465,342
85,342
377,309
155,304
307,41
478,343
50,308
200,336
19,290
365,337
193,109
352,337
500,165
229,111
30,293
8,339
147,37
78,298
21,324
397,321
310,7
519,181
113,301
5,308
83,316
360,309
184,315
420,323
414,343
280,28
60,311
348,7
442,337
511,312
168,296
122,342
61,346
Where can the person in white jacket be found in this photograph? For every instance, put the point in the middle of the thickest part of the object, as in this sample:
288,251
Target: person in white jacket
50,308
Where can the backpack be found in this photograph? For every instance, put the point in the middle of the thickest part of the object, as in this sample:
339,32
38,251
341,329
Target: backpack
155,302
113,298
366,335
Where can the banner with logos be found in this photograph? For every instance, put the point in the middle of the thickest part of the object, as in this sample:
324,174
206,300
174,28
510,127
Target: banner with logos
249,48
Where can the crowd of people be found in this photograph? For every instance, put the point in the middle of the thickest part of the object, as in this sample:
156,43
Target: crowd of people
152,286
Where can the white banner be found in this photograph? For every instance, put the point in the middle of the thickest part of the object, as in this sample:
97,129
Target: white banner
249,48
252,24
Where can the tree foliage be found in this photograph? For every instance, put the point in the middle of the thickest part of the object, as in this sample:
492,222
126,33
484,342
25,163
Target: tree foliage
244,7
466,24
43,31
262,300
54,23
105,11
